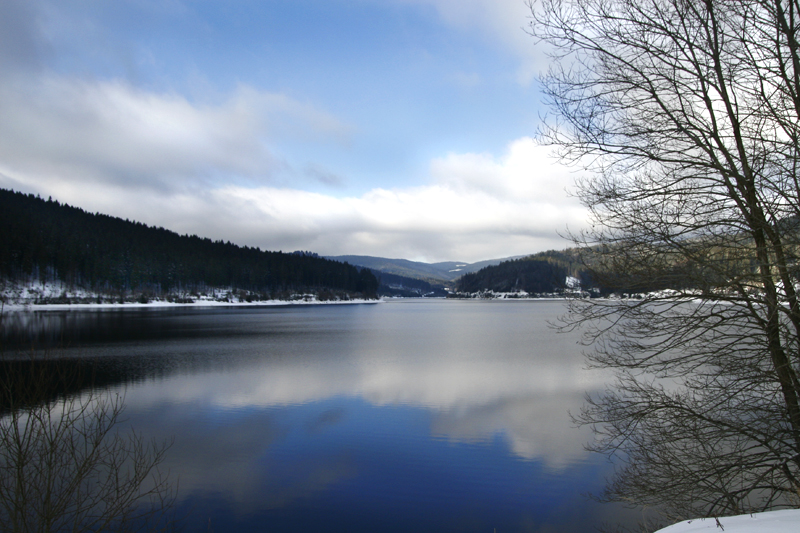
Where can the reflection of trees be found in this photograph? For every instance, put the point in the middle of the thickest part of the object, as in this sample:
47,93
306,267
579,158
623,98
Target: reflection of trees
64,463
27,382
63,329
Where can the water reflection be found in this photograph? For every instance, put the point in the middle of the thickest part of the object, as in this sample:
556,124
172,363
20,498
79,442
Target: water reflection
398,416
470,400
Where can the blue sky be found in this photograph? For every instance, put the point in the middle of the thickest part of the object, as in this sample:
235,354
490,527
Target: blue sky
399,128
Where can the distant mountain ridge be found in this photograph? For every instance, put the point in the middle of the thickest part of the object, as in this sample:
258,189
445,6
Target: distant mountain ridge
444,273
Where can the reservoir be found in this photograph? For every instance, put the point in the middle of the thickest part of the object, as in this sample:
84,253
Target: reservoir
405,415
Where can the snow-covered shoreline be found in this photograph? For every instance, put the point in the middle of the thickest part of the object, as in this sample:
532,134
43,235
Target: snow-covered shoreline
51,296
784,521
161,304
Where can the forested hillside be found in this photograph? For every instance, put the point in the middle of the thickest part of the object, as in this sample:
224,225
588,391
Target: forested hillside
547,273
394,285
45,240
534,274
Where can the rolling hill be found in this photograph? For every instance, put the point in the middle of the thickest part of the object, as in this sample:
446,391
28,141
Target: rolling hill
443,274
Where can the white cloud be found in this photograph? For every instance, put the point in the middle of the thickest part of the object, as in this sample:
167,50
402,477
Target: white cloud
60,128
503,22
527,172
222,169
475,207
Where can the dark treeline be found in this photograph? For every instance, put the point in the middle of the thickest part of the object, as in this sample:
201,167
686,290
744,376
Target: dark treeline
42,239
546,272
533,274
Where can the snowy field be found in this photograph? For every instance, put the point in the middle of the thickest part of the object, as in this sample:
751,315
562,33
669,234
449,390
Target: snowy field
786,521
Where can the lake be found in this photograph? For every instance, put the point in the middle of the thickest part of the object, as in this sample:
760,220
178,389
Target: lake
405,415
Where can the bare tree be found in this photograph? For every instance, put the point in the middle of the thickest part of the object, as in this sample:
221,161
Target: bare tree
688,115
64,463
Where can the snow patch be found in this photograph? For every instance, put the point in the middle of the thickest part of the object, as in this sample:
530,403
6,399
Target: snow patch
43,295
785,521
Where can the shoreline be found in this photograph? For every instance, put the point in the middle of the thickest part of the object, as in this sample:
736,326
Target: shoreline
28,307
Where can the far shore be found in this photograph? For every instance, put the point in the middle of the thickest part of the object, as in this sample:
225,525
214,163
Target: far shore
16,307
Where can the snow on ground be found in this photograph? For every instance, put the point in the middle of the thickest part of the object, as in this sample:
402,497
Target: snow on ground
23,292
52,295
786,521
196,303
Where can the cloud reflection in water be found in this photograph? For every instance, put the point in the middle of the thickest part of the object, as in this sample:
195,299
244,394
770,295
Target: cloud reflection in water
402,416
474,386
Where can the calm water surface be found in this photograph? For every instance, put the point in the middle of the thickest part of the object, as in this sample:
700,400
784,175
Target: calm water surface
406,415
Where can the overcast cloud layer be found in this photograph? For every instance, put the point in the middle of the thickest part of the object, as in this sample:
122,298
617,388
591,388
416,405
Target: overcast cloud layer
288,125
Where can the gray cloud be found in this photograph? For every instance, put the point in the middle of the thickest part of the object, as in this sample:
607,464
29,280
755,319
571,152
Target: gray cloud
220,169
23,45
322,175
467,212
57,128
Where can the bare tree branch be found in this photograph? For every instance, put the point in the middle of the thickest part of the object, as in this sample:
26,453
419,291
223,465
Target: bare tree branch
688,115
65,465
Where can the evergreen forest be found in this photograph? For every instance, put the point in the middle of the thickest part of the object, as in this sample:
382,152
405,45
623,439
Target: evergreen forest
546,273
43,240
534,275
